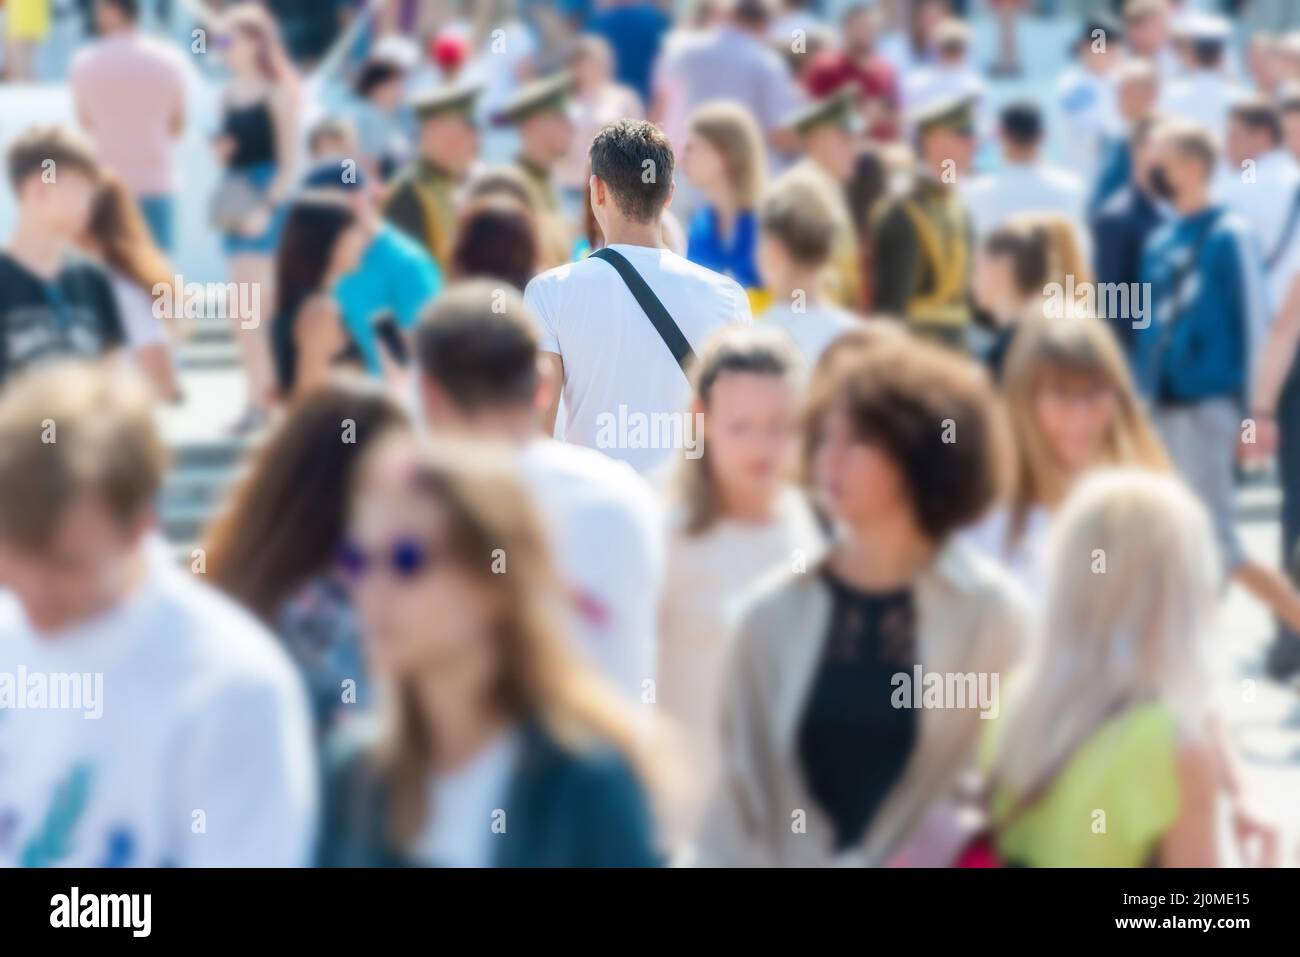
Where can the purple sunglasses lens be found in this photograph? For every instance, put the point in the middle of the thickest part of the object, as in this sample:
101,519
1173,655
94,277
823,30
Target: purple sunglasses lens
408,558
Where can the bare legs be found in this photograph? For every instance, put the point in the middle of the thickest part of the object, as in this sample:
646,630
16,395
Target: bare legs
255,277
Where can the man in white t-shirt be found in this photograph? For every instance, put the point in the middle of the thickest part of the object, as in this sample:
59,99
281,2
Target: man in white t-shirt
1025,183
481,375
145,720
624,391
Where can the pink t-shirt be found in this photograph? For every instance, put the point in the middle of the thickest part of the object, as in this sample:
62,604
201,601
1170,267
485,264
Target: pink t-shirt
128,88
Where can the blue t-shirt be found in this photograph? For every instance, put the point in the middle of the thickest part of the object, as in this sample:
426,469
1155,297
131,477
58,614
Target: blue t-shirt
634,33
735,257
396,277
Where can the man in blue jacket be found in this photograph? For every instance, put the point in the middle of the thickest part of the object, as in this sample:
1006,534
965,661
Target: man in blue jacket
1194,358
1121,228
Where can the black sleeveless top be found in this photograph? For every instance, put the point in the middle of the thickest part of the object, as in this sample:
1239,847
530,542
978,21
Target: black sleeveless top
253,130
853,742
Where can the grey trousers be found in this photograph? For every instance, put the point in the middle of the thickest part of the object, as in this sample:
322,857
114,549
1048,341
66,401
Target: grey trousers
1202,440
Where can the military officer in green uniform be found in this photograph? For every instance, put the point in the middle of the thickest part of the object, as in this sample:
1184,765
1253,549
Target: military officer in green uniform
540,112
828,132
421,200
922,239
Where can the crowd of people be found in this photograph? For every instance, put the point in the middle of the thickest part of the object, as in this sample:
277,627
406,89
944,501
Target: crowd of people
719,435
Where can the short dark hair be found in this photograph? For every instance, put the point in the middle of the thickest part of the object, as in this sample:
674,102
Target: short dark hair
30,151
933,412
1022,122
496,238
476,342
1259,114
128,8
754,13
1207,54
376,73
621,154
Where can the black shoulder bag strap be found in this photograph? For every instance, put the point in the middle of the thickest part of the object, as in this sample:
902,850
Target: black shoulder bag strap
645,297
1288,231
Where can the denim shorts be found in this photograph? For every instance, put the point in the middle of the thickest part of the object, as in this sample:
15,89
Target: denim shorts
265,243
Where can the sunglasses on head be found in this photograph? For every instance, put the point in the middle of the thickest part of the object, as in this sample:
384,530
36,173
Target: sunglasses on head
404,558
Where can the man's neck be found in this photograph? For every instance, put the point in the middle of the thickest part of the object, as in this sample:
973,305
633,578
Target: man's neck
635,234
511,426
1021,157
37,249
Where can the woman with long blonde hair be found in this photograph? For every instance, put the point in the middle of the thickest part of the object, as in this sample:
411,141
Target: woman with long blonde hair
1072,407
1109,754
498,747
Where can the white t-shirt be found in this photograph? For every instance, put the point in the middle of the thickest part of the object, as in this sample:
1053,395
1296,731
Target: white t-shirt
994,198
1205,97
606,526
191,743
709,583
624,393
462,807
813,330
1025,557
135,306
1266,201
1086,113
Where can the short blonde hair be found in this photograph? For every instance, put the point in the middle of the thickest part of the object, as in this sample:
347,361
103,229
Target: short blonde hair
798,213
72,429
735,135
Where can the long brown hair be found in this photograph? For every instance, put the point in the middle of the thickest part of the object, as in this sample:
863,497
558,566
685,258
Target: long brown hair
1043,249
1082,347
488,514
285,519
729,129
119,235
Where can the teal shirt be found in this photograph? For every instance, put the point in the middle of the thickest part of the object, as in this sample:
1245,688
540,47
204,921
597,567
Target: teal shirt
564,808
396,277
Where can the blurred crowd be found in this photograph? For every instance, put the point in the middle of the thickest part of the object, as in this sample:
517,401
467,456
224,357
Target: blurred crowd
726,433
